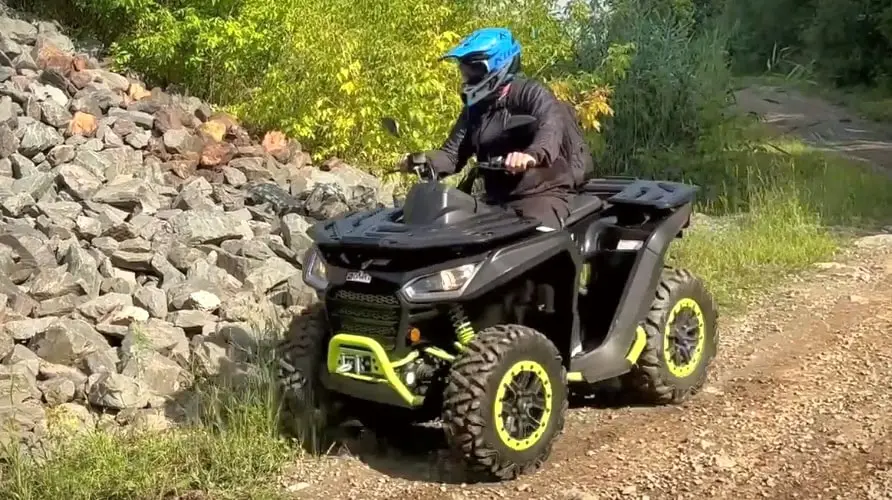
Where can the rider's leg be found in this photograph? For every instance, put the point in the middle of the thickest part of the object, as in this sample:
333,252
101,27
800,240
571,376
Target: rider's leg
550,208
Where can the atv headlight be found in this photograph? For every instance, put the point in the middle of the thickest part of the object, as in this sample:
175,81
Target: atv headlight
447,284
315,272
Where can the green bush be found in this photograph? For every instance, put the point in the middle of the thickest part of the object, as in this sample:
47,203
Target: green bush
673,88
325,71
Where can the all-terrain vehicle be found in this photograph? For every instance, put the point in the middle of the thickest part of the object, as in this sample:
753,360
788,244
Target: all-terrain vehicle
449,308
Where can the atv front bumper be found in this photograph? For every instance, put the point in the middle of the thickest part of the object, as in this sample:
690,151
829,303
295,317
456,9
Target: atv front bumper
359,367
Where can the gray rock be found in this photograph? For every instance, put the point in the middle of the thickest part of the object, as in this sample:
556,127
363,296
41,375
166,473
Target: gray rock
83,267
294,233
182,141
100,306
52,371
155,372
57,391
108,137
61,154
60,212
106,98
68,342
117,392
113,80
9,47
153,300
274,271
138,139
22,166
121,162
37,138
252,167
23,356
195,195
194,293
59,306
17,384
93,161
6,343
85,104
37,184
54,115
102,361
88,227
234,176
208,356
133,261
53,282
6,73
207,226
9,143
140,118
129,194
17,204
160,336
18,31
191,320
80,181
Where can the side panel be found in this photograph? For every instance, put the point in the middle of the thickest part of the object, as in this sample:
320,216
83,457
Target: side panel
511,262
609,360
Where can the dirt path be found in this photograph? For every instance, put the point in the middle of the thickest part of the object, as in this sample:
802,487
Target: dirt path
820,124
798,406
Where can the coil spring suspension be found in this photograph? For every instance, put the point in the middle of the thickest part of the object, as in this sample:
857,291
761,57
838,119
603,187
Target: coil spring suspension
463,329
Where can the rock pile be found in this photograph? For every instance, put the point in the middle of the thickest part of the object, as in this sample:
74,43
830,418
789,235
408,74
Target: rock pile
142,234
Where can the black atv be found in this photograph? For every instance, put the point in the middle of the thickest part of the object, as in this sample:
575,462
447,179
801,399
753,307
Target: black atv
448,307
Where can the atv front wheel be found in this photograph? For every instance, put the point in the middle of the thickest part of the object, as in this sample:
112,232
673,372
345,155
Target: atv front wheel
505,401
681,340
306,406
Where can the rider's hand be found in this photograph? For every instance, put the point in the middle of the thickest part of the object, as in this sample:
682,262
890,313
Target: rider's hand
519,162
405,164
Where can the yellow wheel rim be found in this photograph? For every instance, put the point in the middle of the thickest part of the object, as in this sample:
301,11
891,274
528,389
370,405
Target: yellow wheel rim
521,423
682,369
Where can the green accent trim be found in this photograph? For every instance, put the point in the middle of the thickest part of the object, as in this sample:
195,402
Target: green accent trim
383,369
638,346
439,353
575,377
504,386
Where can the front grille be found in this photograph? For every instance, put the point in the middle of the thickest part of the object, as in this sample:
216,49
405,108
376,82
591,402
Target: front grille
372,315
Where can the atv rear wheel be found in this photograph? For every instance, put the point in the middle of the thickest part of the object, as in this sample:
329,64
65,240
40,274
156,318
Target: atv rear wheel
681,340
505,401
307,406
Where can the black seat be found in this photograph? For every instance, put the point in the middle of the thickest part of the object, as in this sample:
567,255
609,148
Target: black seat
581,206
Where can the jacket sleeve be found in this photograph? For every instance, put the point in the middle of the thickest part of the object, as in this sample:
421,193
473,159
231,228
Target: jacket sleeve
453,155
538,101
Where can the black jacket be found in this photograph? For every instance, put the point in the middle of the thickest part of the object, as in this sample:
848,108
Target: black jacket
556,143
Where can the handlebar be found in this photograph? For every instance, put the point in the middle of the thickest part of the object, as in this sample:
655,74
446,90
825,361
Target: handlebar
497,163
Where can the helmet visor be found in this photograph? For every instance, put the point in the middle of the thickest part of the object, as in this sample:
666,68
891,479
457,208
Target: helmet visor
472,73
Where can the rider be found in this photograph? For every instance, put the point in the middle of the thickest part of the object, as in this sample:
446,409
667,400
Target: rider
544,166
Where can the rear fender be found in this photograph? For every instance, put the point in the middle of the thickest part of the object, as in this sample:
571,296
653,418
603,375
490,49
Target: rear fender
612,358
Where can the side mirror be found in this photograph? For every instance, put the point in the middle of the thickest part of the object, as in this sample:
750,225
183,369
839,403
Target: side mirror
391,126
518,121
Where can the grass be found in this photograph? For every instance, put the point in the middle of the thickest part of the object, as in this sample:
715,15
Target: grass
233,449
788,206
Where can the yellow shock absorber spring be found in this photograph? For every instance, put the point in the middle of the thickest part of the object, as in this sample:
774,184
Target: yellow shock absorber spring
463,329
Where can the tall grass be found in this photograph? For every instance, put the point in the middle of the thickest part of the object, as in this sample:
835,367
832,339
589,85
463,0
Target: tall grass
230,448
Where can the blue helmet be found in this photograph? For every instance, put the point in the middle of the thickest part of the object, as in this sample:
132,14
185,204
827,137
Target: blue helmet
489,58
